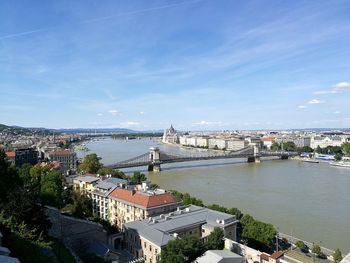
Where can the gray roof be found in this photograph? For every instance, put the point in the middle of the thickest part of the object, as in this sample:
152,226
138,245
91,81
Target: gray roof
219,256
87,178
104,188
116,180
155,229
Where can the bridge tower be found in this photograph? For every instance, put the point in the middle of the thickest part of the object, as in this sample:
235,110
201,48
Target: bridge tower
154,158
256,155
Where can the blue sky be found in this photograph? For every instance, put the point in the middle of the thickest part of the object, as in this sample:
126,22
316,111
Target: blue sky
200,65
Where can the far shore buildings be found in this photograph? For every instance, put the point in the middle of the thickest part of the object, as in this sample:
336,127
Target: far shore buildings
146,238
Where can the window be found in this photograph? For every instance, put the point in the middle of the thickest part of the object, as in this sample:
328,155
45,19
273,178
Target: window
150,248
144,244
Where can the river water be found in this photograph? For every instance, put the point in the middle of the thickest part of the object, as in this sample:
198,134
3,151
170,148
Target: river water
308,200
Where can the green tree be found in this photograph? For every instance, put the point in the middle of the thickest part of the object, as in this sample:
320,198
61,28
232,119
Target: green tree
138,178
9,179
337,256
260,235
289,146
338,157
247,219
318,149
346,147
80,207
300,244
275,147
90,164
215,240
103,171
181,250
316,249
236,212
52,188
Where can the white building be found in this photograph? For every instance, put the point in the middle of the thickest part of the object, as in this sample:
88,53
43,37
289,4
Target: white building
324,141
170,136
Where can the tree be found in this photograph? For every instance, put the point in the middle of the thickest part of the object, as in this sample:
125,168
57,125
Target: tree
318,149
260,235
103,171
346,147
275,147
52,188
247,219
338,157
289,146
138,178
316,249
300,244
9,179
337,256
181,250
90,164
81,206
215,240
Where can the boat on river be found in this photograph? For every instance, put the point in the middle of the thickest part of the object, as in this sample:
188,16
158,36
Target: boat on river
309,160
345,162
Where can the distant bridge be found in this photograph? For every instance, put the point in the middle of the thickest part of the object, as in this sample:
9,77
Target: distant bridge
154,158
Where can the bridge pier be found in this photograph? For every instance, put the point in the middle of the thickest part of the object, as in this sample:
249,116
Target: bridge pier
154,157
253,159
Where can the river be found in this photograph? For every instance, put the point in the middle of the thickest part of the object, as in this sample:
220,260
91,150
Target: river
308,200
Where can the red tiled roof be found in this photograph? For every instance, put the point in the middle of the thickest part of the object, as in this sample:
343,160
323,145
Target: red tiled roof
143,199
277,255
267,139
264,256
10,154
61,152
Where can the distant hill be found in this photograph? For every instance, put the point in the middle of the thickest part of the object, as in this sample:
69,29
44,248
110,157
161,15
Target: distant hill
99,130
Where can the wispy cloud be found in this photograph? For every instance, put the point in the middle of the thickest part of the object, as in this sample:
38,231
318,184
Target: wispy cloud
207,123
113,112
316,101
302,107
342,86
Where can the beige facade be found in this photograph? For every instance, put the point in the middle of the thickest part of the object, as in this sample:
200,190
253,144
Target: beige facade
129,205
85,184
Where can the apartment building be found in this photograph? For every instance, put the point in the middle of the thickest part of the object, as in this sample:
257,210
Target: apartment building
100,192
85,183
66,158
146,238
126,205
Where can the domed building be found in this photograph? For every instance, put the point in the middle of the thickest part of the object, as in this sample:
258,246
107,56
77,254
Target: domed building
170,136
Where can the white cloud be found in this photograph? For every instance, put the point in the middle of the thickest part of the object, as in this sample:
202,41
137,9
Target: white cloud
315,101
337,112
128,124
99,114
113,112
207,123
342,86
321,92
302,106
142,113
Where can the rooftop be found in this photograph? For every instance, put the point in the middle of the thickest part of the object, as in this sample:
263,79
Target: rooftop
218,256
87,178
143,199
10,154
61,152
160,229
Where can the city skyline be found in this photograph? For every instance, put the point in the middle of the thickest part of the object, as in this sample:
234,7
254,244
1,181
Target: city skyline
200,65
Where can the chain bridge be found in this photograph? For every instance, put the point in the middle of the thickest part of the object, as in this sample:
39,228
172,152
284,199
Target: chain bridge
154,158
